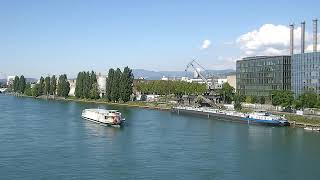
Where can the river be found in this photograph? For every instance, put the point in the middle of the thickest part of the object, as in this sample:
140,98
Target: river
47,139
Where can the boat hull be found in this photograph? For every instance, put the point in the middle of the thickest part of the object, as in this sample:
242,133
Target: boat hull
224,117
103,123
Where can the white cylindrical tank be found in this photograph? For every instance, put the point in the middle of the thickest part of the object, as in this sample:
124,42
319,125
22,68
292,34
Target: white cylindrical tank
102,83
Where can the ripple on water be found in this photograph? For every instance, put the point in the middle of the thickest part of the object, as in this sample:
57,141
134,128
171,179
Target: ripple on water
48,140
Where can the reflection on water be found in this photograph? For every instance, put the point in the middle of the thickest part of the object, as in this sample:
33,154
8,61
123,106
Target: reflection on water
97,129
257,132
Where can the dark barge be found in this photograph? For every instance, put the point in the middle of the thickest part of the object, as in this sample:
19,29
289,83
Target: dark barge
222,116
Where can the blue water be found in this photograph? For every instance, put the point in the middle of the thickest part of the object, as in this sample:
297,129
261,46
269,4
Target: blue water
42,139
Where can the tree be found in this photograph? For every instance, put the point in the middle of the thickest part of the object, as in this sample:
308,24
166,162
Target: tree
53,85
318,103
115,91
307,100
248,99
237,102
66,88
177,88
63,86
282,98
79,85
254,99
262,100
200,89
36,90
227,93
47,85
84,84
94,92
21,84
41,87
242,98
93,79
93,84
28,90
126,84
16,84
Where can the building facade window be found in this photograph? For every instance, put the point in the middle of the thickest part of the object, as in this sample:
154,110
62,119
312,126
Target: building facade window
305,73
259,76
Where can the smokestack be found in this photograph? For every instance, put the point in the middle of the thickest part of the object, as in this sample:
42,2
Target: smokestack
291,39
315,33
303,29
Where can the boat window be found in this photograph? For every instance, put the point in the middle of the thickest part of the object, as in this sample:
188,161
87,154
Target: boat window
105,117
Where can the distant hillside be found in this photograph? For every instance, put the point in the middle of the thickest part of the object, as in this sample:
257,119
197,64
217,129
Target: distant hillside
31,80
154,75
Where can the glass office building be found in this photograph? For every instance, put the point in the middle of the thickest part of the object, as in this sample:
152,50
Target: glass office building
260,75
305,73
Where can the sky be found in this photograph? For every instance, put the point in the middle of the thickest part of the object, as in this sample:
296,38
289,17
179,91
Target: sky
39,38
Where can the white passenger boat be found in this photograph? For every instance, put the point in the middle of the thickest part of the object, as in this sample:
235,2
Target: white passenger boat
103,116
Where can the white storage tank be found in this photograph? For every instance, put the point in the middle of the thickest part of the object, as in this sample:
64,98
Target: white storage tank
102,84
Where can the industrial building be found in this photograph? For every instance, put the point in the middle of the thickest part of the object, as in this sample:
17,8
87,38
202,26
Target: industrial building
72,83
299,72
260,75
305,66
102,84
232,80
215,83
10,80
306,73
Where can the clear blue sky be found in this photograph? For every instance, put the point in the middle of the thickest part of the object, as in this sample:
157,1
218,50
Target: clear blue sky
66,36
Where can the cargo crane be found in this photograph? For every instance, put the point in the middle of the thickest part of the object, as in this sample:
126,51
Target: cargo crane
210,89
194,65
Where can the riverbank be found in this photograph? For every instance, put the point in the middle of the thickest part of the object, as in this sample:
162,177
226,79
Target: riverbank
137,104
295,120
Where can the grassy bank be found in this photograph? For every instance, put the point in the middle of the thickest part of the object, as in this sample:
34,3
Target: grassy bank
149,105
304,120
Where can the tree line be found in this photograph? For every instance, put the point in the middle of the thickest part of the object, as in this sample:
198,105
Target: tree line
308,99
119,85
118,89
177,88
46,86
284,98
87,86
19,84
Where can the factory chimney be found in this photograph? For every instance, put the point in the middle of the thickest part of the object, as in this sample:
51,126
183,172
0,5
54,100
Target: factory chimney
303,29
291,39
315,33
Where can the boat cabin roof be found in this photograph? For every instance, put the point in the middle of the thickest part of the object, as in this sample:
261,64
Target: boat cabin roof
102,111
262,112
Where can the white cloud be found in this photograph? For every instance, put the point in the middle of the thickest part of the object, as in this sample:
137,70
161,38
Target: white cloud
223,62
272,39
309,48
206,44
